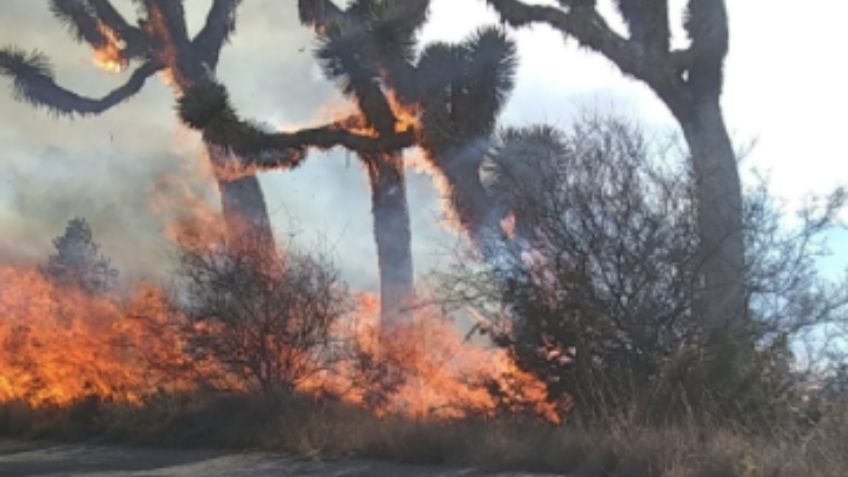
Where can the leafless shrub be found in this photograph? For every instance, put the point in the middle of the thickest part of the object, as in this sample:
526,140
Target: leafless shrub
593,287
266,319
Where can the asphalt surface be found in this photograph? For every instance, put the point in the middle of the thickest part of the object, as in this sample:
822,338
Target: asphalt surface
19,459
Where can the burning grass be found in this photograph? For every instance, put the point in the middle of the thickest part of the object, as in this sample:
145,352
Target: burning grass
61,346
200,371
78,366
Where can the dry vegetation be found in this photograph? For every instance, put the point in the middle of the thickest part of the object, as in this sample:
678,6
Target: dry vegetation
631,328
322,429
595,373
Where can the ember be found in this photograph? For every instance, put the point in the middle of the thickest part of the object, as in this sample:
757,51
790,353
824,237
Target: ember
109,57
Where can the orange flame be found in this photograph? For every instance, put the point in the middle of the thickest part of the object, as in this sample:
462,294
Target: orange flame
433,372
407,116
353,120
110,57
58,346
191,221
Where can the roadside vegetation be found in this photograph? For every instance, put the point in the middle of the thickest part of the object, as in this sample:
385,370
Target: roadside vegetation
598,304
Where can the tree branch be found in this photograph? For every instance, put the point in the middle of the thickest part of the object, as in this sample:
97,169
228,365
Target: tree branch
284,150
318,13
35,84
220,24
167,29
133,36
583,22
76,15
347,56
171,13
647,21
707,26
206,107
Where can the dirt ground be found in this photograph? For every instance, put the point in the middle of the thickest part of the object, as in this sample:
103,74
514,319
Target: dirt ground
19,459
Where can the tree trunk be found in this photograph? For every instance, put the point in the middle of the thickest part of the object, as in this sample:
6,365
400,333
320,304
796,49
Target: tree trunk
393,237
719,194
244,210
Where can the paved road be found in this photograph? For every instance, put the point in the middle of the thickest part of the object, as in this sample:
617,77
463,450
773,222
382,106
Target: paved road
19,459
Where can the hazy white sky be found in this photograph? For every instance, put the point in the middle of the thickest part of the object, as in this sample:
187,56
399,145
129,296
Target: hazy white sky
787,89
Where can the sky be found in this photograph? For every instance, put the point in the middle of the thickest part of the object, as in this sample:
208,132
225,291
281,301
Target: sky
129,170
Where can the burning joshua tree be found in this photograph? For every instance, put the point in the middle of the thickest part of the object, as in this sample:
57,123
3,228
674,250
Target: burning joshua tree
455,91
351,48
447,102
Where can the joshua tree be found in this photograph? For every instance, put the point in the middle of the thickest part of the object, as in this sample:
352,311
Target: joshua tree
351,52
455,91
689,82
461,90
207,107
160,42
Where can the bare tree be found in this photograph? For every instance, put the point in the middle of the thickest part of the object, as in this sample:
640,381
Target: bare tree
160,42
268,322
689,82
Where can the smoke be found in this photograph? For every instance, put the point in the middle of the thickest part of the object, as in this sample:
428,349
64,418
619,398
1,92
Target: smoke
113,193
107,168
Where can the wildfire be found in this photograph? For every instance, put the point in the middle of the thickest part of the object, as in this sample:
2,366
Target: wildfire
347,117
59,346
180,199
445,376
110,57
407,116
353,122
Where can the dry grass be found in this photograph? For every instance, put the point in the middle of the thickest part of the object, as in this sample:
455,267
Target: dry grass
327,430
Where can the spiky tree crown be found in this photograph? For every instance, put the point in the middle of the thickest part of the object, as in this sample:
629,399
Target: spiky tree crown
203,104
464,87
